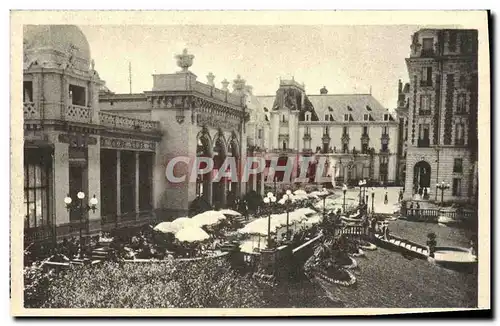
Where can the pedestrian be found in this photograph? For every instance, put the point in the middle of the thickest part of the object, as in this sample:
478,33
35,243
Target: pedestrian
411,210
400,196
426,193
386,198
417,211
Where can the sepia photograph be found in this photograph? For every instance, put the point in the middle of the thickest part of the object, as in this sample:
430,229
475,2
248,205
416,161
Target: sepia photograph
309,164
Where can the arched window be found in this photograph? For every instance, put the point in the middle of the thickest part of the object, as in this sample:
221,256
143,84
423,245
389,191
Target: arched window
284,145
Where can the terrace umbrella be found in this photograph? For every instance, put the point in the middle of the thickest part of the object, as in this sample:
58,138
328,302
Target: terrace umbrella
167,227
191,234
230,212
208,218
183,222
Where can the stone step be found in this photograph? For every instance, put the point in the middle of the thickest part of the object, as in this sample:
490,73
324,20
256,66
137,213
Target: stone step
397,242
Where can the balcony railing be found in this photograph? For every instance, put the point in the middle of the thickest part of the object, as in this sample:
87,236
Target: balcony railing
83,114
423,143
123,122
31,111
77,113
425,83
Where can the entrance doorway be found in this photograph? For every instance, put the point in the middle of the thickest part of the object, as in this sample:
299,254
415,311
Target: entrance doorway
421,176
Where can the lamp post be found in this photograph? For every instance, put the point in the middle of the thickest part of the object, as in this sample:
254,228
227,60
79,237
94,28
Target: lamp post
344,189
373,200
324,201
83,208
442,186
269,200
364,189
287,198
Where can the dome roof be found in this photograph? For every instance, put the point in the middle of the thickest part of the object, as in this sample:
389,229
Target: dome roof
55,44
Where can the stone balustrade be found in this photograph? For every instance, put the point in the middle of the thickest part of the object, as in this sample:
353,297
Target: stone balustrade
124,122
84,114
218,94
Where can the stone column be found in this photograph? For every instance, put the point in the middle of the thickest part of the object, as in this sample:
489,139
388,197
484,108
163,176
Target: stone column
61,181
94,186
137,184
118,186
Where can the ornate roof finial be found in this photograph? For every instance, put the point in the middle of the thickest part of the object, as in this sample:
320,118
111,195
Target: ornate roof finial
210,79
225,83
184,60
238,83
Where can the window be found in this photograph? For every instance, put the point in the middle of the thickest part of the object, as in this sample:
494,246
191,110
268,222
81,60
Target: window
457,165
77,95
346,117
36,187
385,130
459,134
368,108
308,131
386,117
427,46
308,116
349,108
423,135
452,41
284,145
461,109
283,118
345,148
457,185
327,117
127,183
366,117
364,148
260,133
425,105
426,78
27,91
365,130
326,131
344,131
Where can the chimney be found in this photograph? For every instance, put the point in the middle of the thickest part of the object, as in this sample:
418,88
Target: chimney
210,79
323,91
400,87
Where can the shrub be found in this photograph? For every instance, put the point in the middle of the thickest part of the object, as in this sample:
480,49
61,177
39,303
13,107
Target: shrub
200,284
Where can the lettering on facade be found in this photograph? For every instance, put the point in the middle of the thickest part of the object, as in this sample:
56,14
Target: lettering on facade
77,140
117,143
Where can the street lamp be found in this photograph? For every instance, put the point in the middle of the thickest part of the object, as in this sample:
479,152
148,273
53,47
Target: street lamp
269,200
83,207
442,186
287,198
325,194
344,189
373,200
364,189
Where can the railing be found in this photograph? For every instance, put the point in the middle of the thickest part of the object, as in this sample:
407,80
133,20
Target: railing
124,122
77,113
425,83
31,111
38,233
423,143
217,94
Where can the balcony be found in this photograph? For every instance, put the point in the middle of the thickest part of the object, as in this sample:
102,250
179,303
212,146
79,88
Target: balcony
427,53
423,143
84,114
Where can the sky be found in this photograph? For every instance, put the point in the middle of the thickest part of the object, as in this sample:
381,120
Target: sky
344,59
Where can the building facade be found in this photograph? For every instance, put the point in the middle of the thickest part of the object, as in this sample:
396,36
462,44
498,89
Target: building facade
354,133
442,114
80,137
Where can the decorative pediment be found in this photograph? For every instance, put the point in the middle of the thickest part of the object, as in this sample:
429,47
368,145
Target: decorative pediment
385,139
365,139
345,139
307,137
326,139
